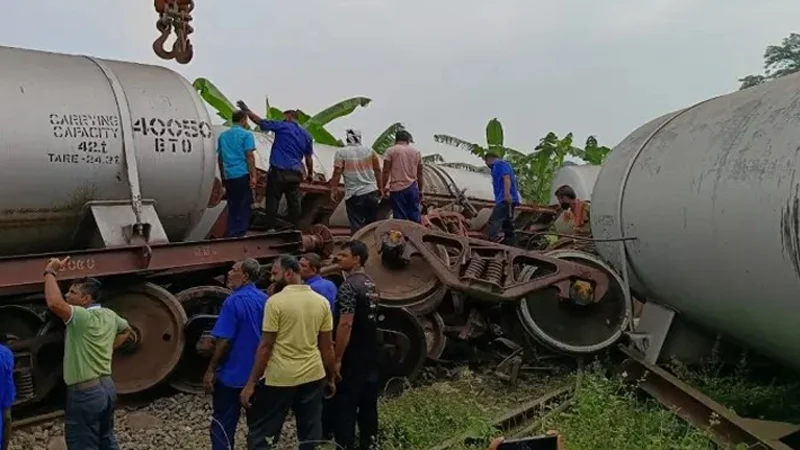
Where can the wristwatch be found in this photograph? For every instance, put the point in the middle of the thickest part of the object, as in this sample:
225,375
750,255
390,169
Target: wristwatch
50,271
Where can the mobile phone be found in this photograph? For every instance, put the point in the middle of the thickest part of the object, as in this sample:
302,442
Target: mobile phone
532,443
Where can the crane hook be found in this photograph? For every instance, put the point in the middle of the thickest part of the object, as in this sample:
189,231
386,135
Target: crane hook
174,15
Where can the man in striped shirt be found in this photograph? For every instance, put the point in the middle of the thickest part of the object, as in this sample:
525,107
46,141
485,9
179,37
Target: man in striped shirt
361,170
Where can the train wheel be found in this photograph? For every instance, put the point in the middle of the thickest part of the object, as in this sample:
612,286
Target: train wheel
567,326
435,340
415,286
19,323
202,305
157,319
404,344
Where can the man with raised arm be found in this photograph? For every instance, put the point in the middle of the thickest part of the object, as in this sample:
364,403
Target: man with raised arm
291,146
92,335
295,360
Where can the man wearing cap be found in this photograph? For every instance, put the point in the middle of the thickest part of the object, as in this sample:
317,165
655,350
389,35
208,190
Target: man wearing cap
360,168
506,198
402,174
292,145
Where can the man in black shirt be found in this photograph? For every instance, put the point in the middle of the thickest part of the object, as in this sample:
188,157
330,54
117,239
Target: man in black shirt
357,351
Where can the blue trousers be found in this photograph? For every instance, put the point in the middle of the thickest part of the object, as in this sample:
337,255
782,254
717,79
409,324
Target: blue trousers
405,204
89,417
240,199
225,417
502,219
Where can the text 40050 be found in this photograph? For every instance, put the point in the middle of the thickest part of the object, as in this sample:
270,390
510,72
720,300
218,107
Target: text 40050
172,128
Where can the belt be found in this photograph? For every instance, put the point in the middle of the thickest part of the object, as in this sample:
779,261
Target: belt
88,384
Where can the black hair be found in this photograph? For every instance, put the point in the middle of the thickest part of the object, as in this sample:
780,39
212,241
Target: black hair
313,260
238,116
251,268
403,136
288,262
90,287
566,191
358,248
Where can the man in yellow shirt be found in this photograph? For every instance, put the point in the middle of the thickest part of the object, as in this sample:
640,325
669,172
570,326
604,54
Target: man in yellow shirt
294,356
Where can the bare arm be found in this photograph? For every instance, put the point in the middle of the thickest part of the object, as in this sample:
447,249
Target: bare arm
54,298
309,165
387,169
335,177
251,165
221,167
121,338
221,347
325,344
255,118
343,331
376,168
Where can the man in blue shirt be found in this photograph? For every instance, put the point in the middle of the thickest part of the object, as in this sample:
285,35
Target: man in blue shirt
237,166
506,197
236,334
292,145
310,263
8,392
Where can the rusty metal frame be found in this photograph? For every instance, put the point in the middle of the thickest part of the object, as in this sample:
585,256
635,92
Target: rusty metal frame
727,429
422,241
24,273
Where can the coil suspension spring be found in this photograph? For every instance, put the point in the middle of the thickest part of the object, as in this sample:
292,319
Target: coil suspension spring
475,268
494,271
24,384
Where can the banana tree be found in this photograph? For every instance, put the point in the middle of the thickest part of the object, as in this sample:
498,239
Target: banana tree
315,125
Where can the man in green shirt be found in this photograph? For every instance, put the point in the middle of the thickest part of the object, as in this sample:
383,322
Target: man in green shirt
92,334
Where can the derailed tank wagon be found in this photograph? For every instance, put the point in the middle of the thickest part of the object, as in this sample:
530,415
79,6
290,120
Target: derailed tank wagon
114,165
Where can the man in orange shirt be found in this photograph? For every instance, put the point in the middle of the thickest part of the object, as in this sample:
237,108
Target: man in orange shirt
402,172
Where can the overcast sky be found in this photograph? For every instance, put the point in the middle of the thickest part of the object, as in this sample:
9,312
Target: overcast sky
442,66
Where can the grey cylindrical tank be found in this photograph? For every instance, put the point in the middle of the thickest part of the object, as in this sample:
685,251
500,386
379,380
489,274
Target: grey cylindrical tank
580,178
62,131
712,193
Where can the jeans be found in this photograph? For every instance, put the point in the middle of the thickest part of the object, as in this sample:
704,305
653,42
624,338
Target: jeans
270,406
240,199
362,210
227,409
405,204
89,417
502,219
279,183
357,402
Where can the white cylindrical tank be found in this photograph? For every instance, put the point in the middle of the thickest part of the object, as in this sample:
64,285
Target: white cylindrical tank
712,194
65,128
580,178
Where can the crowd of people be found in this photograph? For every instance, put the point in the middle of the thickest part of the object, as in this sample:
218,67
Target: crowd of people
305,345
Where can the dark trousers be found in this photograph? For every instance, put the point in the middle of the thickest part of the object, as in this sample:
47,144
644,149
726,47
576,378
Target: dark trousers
357,402
405,204
225,417
270,406
328,418
89,417
362,210
240,199
502,219
282,183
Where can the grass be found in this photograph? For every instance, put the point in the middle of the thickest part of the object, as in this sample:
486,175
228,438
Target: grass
606,414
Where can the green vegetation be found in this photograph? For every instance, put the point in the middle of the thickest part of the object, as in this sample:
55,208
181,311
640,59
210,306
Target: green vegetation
535,170
779,61
605,414
315,125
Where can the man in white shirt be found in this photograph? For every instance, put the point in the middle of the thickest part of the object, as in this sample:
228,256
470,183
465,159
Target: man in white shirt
361,169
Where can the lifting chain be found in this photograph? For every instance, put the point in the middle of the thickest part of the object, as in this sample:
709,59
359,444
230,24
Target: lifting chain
174,15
